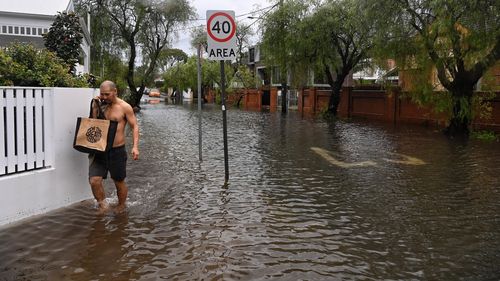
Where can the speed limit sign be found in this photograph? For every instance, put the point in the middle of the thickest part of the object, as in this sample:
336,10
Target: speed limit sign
221,35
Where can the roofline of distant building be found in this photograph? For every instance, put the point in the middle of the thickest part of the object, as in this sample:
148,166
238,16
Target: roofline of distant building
19,14
40,16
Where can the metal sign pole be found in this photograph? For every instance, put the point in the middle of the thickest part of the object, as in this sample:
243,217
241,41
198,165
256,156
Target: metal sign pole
221,41
199,102
224,120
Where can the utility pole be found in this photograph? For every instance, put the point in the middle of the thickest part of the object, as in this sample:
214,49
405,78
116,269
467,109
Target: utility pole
284,76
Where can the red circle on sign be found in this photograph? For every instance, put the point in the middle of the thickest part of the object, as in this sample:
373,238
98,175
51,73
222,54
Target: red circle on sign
232,31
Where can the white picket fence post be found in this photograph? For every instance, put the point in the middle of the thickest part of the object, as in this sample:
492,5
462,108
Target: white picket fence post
25,129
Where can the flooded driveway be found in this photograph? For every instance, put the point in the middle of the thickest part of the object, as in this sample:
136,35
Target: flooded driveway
307,200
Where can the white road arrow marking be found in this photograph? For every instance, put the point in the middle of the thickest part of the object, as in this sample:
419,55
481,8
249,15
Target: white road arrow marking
328,157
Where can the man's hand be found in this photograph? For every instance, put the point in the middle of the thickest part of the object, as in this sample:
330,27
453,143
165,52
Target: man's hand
135,153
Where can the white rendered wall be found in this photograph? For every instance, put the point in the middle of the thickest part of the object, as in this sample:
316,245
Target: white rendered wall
66,182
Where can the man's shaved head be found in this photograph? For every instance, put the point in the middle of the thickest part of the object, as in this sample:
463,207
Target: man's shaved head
108,84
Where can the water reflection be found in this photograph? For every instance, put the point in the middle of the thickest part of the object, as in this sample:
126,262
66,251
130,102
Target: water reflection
287,214
105,251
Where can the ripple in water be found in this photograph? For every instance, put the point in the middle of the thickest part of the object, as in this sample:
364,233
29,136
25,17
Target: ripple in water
287,214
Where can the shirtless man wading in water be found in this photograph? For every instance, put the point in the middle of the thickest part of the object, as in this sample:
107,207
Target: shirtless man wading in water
115,160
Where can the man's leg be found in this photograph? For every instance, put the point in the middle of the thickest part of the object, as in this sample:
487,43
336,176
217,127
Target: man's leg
98,191
122,192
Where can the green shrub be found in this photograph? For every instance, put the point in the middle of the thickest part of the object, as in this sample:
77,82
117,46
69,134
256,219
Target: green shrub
25,65
484,135
5,69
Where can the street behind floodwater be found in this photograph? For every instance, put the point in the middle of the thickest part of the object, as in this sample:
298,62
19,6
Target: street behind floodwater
306,200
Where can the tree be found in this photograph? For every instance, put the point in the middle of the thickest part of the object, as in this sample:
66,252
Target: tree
184,74
169,57
459,40
279,39
243,79
64,38
146,26
107,47
243,34
199,37
341,37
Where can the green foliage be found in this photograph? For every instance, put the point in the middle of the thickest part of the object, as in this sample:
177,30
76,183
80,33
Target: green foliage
488,136
280,42
243,34
25,65
199,37
5,69
489,82
336,37
458,40
326,114
481,103
243,78
64,38
184,75
129,24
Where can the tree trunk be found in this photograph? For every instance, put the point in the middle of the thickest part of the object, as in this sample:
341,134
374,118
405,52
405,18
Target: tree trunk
283,97
240,98
136,100
461,114
336,85
130,73
333,103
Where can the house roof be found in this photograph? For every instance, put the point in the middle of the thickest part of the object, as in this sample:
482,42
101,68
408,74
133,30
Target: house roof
45,7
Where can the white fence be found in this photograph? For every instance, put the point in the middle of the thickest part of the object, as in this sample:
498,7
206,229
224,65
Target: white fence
23,139
39,169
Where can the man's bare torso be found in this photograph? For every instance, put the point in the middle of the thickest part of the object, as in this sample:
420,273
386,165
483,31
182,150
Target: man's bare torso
116,112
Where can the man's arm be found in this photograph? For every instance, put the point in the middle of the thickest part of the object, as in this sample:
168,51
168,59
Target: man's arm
132,121
95,103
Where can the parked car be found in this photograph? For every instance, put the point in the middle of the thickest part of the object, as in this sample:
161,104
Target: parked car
154,93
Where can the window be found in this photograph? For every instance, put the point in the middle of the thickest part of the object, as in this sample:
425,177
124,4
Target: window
251,53
16,30
22,29
40,31
4,29
33,31
276,75
10,30
45,30
28,30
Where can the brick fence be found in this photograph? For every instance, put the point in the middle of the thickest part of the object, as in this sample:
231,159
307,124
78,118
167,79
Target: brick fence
388,106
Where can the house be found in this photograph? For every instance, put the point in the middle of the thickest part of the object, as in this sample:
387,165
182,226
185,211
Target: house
25,21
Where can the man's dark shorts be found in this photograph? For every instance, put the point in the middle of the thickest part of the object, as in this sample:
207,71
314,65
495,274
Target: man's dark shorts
114,161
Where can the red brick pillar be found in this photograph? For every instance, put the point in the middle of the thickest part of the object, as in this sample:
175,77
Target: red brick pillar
312,99
245,101
273,104
391,103
259,99
300,103
345,100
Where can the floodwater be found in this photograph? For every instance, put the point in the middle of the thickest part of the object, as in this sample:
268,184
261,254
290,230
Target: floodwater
306,200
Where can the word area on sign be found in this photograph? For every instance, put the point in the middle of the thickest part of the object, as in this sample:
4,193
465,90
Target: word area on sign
222,52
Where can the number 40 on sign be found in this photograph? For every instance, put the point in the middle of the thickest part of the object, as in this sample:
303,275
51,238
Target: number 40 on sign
221,30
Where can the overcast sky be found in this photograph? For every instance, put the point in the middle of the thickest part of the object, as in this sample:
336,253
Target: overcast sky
240,7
